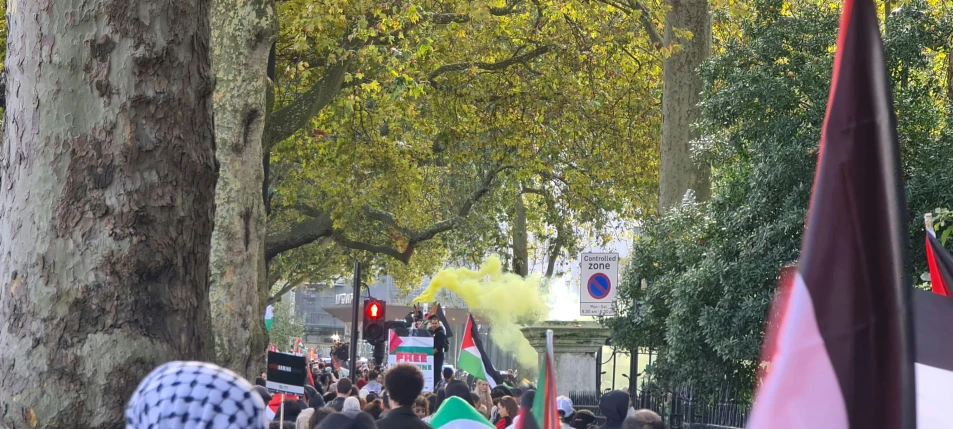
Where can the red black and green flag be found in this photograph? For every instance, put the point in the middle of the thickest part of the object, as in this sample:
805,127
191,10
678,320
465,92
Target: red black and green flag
843,354
543,414
940,262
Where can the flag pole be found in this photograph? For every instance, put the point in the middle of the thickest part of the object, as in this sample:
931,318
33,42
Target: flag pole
928,221
281,421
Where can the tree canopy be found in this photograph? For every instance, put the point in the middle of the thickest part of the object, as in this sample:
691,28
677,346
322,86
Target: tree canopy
711,269
445,114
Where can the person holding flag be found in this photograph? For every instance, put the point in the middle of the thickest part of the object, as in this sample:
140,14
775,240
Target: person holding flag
841,356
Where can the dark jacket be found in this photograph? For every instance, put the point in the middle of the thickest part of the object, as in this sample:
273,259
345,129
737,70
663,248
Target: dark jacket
350,420
337,403
614,406
440,341
402,418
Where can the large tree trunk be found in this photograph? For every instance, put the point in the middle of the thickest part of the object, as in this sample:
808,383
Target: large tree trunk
680,96
106,204
243,33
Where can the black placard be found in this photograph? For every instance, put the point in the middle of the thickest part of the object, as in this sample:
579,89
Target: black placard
286,373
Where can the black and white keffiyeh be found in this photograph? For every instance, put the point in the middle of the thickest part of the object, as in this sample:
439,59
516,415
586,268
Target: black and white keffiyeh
194,395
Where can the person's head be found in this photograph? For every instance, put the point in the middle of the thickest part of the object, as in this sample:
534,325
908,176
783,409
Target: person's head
644,419
583,419
355,391
448,373
372,376
198,398
374,408
421,407
344,387
434,322
418,323
319,415
614,406
352,404
564,405
432,401
371,396
461,390
404,382
474,398
292,409
508,407
483,386
350,420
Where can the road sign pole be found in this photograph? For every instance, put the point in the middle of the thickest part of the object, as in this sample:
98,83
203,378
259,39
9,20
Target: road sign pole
352,365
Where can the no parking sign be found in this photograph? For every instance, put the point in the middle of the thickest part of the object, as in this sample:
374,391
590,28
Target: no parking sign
600,278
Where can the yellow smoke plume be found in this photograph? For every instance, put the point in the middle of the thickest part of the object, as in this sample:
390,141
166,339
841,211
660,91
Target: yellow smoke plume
506,300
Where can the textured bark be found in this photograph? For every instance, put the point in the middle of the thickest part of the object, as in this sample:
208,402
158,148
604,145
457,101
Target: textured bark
108,174
949,72
242,37
680,96
520,239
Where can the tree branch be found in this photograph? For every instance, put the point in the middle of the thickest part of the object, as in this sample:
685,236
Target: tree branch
646,18
302,233
415,237
500,65
284,122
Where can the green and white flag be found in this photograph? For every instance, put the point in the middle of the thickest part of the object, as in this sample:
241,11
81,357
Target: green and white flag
474,359
269,317
455,413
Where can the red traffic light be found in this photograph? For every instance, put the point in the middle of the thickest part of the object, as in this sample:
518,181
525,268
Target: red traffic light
374,310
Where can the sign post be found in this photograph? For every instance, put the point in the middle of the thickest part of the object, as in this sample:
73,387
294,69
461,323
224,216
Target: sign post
600,283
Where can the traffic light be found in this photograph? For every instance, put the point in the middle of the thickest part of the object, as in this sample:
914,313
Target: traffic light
374,320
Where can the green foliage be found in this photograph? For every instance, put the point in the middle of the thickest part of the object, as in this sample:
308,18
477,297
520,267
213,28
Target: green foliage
711,269
557,101
286,327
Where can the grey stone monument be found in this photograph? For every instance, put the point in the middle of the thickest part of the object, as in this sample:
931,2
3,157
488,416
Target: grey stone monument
576,346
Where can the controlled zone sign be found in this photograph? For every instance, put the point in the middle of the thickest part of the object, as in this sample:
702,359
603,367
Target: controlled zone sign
417,351
599,283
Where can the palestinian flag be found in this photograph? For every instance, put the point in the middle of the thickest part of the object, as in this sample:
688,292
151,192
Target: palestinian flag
474,359
544,414
269,317
299,348
455,413
933,315
273,348
843,356
940,262
334,363
438,310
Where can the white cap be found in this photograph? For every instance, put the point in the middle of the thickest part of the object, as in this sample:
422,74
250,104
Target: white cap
564,404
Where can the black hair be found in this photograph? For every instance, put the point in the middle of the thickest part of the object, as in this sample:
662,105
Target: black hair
447,373
259,381
292,409
319,414
344,386
372,376
404,382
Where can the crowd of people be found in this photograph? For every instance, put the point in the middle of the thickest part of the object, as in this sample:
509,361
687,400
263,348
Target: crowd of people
197,394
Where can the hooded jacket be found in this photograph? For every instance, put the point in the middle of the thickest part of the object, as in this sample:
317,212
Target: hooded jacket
614,406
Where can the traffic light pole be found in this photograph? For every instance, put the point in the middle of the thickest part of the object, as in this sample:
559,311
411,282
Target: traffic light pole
355,300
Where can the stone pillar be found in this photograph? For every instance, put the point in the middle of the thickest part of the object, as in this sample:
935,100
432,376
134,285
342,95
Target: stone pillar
575,349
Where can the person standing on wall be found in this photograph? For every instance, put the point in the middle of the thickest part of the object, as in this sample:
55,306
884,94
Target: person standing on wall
439,347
